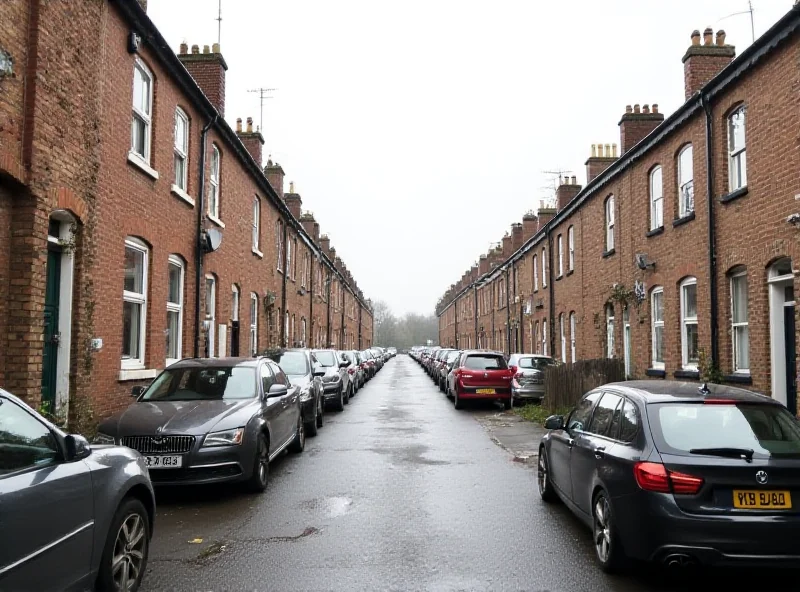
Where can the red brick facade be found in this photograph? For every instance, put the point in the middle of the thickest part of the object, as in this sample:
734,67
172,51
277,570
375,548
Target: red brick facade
74,192
608,294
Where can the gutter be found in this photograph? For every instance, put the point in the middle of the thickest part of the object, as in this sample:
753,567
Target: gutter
712,235
201,206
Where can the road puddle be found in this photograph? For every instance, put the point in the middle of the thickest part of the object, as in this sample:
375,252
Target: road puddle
331,507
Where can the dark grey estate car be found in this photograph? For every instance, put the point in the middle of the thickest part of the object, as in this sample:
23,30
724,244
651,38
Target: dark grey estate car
211,420
298,365
335,379
72,516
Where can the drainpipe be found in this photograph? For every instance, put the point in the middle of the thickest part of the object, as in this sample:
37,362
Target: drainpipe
551,291
201,206
282,332
508,313
455,312
328,297
360,310
310,335
494,300
712,239
475,297
342,344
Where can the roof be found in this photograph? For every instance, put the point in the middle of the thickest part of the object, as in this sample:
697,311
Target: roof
663,391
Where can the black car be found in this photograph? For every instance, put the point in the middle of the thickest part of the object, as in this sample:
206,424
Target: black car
209,420
335,379
298,365
679,474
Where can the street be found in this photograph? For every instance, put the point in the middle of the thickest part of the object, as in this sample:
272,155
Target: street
398,492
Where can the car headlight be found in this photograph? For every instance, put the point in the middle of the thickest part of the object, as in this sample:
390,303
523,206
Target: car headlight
224,438
101,438
305,393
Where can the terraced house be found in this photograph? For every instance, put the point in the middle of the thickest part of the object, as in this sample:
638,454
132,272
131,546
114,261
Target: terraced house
679,255
138,227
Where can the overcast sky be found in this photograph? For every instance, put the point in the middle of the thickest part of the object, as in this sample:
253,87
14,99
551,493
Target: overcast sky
417,131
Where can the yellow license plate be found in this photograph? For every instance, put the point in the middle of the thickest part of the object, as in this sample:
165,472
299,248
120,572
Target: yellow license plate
485,391
753,499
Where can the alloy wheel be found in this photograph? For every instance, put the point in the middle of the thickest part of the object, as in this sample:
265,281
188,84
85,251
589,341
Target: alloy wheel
602,529
542,474
129,553
263,462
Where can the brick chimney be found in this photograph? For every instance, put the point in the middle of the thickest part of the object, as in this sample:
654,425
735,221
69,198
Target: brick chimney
252,140
208,70
603,156
310,225
566,191
275,176
506,246
293,201
530,224
545,214
332,255
637,123
325,244
702,62
473,272
483,265
516,236
316,233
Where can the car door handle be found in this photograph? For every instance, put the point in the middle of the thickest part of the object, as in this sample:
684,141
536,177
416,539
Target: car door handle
570,441
600,452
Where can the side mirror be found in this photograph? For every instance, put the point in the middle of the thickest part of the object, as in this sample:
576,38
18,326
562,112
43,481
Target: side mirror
318,371
554,422
344,364
277,390
137,391
513,369
77,447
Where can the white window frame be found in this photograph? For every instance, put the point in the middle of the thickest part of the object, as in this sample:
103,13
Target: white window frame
544,267
235,302
657,198
610,318
686,181
303,328
686,321
141,300
560,240
145,117
279,243
736,325
573,327
610,222
535,273
538,342
253,324
563,338
176,261
212,327
213,184
289,257
256,224
181,150
656,324
286,329
544,337
571,247
737,155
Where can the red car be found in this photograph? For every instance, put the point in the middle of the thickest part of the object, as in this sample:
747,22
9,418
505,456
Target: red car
481,375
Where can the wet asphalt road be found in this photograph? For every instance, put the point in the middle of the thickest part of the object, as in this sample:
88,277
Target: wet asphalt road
398,492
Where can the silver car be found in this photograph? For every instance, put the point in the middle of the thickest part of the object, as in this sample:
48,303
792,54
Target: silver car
72,516
528,382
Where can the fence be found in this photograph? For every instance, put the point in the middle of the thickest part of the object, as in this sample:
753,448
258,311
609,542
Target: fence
566,383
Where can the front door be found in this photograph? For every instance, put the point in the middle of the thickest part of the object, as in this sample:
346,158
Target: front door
51,334
791,357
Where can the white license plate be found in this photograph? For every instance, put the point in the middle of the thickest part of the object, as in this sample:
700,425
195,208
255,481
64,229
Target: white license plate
163,462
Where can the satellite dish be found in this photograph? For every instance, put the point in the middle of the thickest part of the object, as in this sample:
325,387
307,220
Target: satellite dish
212,239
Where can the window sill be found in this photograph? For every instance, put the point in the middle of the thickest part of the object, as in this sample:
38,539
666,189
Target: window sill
741,378
681,221
570,272
559,276
137,374
655,231
656,372
687,373
257,253
140,164
216,221
178,192
734,195
608,253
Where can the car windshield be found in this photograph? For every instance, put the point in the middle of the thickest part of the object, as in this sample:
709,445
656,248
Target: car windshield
768,430
532,363
485,362
451,357
203,384
326,358
293,363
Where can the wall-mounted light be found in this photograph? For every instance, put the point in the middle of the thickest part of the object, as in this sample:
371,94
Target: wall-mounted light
6,64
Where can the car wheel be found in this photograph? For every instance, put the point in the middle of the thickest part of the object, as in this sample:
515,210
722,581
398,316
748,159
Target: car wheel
546,491
258,480
607,549
457,403
124,558
340,401
347,396
320,412
299,443
507,404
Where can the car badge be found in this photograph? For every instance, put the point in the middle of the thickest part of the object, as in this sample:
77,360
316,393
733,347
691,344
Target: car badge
762,477
486,375
159,429
158,440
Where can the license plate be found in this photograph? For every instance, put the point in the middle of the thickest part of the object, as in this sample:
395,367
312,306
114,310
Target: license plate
163,462
485,391
753,499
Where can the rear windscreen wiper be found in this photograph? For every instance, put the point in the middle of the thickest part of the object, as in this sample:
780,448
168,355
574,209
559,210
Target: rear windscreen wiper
744,453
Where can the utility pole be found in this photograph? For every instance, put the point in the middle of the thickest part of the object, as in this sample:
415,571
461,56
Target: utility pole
262,96
749,11
557,173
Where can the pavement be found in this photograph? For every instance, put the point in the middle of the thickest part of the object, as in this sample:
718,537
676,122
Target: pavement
399,492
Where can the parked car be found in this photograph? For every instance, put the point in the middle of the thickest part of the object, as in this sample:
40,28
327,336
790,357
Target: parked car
370,366
481,375
445,367
437,363
668,472
528,370
298,366
355,370
335,379
74,516
209,420
378,355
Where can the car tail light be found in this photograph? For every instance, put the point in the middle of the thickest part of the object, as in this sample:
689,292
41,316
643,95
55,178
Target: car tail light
655,477
351,371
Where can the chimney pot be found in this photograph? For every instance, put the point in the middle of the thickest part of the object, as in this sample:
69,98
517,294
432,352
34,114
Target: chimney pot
206,49
239,124
195,48
291,186
614,150
184,48
695,37
249,125
608,150
215,48
646,109
628,109
637,109
721,37
574,182
707,36
655,107
594,150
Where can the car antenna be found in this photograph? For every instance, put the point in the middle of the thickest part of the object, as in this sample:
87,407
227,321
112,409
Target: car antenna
704,390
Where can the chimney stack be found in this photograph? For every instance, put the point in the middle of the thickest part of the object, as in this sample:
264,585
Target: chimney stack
516,237
208,70
506,246
545,214
602,157
275,176
566,192
325,243
252,140
293,201
530,224
636,124
702,62
310,225
483,265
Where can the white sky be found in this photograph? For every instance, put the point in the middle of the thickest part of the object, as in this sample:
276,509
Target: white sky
417,131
